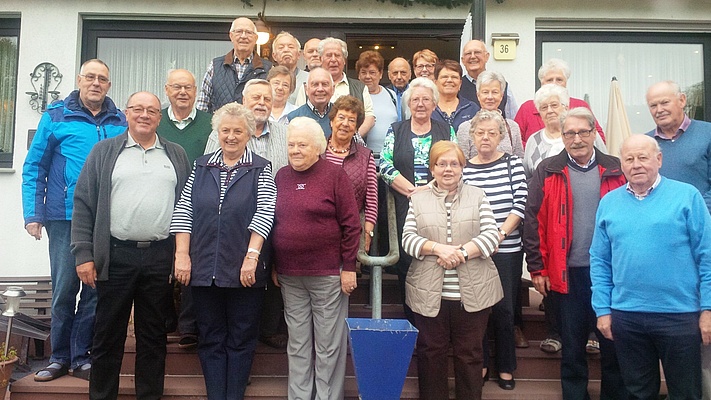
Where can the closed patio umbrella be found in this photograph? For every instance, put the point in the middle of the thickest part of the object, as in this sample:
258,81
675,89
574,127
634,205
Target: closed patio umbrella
618,126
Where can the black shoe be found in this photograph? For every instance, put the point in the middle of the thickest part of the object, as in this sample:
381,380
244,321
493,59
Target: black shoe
507,384
485,378
188,342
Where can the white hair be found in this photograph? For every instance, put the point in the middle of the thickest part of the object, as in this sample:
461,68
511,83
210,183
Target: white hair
551,90
423,83
554,64
311,127
332,40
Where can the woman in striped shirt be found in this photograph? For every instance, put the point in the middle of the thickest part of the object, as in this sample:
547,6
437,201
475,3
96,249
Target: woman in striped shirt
503,179
452,283
347,115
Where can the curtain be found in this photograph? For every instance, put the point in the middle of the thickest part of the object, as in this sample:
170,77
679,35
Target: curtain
8,85
636,66
143,64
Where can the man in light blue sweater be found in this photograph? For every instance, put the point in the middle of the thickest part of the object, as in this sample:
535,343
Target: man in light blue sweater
650,267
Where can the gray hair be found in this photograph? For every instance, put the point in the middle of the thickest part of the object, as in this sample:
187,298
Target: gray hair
488,77
332,40
236,110
578,112
486,115
551,90
285,34
172,70
554,64
321,68
253,82
650,140
310,127
423,83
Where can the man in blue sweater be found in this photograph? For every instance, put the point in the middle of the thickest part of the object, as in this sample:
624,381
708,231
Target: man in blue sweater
650,267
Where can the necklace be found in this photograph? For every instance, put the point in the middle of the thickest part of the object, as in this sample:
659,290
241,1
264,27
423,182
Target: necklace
337,151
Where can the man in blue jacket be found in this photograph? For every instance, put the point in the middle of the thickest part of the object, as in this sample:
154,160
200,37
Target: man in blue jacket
66,133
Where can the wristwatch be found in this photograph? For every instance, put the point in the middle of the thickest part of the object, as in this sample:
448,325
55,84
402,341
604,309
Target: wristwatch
370,233
503,233
464,253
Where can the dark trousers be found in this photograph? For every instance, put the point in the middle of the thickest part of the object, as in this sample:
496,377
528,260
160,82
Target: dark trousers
403,264
228,324
138,277
272,311
464,331
576,320
502,313
642,339
186,319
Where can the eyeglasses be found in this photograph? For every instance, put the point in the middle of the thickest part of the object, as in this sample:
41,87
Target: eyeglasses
422,67
485,133
178,88
91,78
423,100
152,112
476,53
242,32
582,134
444,165
552,106
342,118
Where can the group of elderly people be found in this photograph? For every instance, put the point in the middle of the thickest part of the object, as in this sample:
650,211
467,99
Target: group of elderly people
457,170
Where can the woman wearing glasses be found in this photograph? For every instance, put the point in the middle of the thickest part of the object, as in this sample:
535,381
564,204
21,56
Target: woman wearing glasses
423,62
404,161
452,283
502,178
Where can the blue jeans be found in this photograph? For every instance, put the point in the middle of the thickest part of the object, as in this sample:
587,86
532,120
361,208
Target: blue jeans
642,339
576,320
72,324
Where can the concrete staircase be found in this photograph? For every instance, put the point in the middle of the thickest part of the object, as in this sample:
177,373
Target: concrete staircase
537,376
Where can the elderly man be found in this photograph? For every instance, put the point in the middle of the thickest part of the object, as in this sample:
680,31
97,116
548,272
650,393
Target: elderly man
124,202
286,51
311,54
226,75
474,58
399,73
528,118
189,127
334,54
563,196
65,135
658,307
319,90
685,142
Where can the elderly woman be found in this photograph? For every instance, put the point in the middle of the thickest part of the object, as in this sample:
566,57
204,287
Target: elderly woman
551,102
423,62
490,90
451,108
370,66
451,233
283,84
502,178
404,162
554,71
346,117
315,239
221,221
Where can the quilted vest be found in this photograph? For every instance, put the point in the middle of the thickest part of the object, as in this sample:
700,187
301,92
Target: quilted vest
226,86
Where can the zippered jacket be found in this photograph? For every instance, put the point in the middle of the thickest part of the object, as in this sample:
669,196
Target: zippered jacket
65,135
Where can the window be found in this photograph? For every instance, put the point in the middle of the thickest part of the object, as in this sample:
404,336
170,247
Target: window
9,34
637,60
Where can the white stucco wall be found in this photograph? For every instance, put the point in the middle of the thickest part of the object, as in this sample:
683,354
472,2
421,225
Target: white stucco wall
51,31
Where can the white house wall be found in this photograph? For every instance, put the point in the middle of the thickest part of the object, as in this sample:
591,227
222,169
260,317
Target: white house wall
51,31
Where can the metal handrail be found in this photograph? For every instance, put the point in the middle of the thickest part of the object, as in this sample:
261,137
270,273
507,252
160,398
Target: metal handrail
377,262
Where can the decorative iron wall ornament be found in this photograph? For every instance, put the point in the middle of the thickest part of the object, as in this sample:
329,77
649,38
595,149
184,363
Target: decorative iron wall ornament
44,79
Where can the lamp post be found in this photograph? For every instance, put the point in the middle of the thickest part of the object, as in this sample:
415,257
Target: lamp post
12,296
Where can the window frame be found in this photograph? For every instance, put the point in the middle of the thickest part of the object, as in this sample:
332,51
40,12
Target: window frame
11,27
703,39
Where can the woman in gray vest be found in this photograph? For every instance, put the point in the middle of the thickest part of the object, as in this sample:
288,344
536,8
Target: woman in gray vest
451,233
404,160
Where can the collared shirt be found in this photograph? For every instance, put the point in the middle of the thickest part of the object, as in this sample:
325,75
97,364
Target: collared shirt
316,112
682,128
185,122
142,192
647,192
587,164
205,94
511,108
259,143
398,97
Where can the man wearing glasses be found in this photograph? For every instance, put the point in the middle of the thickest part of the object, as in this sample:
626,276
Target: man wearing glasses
226,75
189,127
66,134
563,197
474,58
123,206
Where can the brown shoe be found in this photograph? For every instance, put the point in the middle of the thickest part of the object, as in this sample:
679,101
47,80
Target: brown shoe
520,338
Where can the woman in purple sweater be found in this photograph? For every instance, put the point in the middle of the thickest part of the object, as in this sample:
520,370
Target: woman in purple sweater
315,237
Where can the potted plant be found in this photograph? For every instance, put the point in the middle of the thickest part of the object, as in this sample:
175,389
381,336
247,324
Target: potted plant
7,366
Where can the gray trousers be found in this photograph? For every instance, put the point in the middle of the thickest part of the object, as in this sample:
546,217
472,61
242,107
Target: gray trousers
315,310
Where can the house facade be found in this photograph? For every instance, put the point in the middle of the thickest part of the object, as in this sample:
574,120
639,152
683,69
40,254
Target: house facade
638,41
